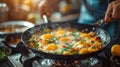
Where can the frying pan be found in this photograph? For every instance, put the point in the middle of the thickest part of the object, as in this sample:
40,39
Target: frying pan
105,37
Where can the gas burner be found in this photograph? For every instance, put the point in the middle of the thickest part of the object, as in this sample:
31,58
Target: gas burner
66,63
60,63
98,61
91,62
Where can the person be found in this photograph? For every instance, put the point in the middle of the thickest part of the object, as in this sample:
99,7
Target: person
90,12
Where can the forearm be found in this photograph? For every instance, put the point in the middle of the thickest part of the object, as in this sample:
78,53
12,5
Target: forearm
52,3
47,7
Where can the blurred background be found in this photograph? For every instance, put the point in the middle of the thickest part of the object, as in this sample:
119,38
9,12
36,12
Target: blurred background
16,16
12,10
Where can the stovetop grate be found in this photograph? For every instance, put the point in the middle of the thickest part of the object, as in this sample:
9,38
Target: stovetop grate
90,62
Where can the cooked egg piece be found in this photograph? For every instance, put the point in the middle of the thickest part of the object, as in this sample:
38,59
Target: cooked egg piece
51,47
64,39
61,31
83,51
92,49
46,36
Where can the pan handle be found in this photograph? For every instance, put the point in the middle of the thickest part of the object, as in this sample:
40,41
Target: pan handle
46,20
100,22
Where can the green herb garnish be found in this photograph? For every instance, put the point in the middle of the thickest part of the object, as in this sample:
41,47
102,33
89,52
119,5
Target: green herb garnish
52,40
2,53
67,48
35,44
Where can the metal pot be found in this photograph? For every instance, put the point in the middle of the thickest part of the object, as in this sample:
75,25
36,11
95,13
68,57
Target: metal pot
12,27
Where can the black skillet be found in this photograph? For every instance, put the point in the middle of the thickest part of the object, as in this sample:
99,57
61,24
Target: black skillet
105,37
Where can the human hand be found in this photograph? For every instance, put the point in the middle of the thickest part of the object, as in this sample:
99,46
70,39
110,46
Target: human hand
47,7
113,11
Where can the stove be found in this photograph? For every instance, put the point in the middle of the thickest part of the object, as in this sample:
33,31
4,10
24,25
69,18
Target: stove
31,60
34,61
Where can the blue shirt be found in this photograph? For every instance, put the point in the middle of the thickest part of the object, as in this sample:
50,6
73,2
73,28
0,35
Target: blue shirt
93,10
